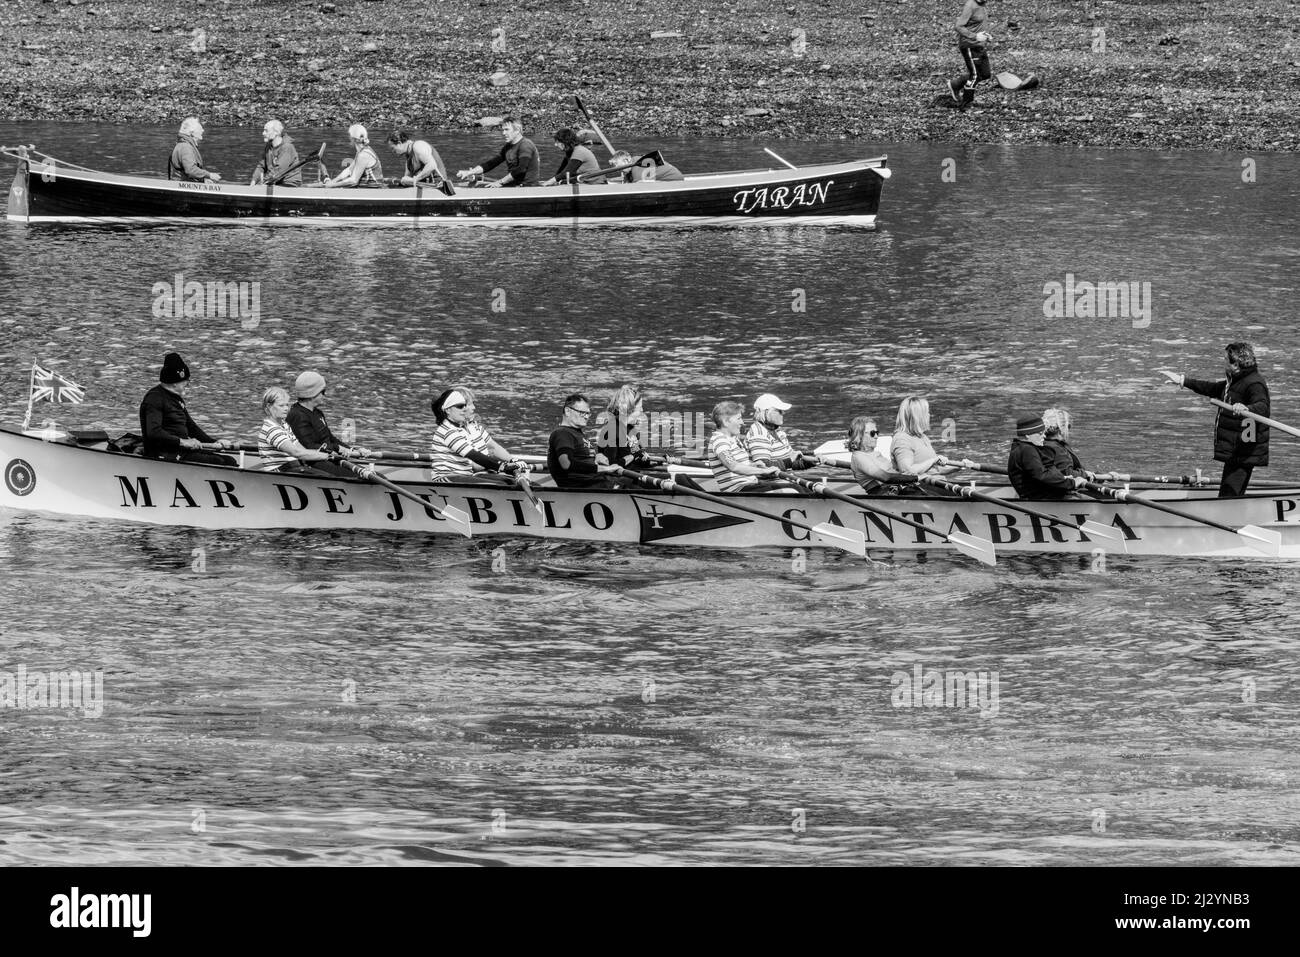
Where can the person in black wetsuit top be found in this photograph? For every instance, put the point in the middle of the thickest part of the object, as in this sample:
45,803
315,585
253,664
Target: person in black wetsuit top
519,154
570,458
165,424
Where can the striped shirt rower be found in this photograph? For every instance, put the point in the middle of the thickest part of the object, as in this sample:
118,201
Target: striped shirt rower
767,441
276,445
463,449
733,469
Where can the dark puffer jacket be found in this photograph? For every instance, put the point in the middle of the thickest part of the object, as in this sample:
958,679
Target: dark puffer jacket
1249,389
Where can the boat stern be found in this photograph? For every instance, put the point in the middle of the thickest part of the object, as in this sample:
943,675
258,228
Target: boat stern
17,209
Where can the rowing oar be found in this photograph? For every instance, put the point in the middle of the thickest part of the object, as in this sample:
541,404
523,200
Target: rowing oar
847,539
1271,423
1196,481
594,128
1089,527
458,519
318,155
979,549
1263,540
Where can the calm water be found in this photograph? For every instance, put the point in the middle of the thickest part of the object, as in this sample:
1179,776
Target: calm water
317,698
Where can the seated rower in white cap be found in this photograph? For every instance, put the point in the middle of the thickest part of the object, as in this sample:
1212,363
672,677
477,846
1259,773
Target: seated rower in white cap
364,169
461,447
767,442
307,422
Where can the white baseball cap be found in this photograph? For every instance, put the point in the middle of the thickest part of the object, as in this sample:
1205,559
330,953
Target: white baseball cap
768,401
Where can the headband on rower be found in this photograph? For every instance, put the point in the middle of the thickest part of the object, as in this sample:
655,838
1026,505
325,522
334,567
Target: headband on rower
454,399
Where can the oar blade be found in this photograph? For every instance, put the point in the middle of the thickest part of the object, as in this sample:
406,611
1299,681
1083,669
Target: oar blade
980,549
1106,532
1266,540
458,520
848,539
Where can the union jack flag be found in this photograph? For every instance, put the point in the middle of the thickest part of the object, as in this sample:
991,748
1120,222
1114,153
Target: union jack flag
56,388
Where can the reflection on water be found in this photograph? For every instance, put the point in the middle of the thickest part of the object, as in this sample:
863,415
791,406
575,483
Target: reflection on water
359,699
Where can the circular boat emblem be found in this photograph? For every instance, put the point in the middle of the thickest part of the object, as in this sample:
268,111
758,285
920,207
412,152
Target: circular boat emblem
20,477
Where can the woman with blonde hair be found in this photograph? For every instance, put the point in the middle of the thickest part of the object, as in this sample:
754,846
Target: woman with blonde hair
871,467
618,438
364,169
911,450
280,451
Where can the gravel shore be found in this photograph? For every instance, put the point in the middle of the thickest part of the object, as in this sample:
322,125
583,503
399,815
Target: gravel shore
1156,75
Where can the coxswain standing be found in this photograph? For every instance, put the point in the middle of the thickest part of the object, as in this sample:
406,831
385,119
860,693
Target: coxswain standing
456,458
1246,391
165,424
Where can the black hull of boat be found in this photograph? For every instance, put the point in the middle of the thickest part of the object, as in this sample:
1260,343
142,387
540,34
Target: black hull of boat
830,194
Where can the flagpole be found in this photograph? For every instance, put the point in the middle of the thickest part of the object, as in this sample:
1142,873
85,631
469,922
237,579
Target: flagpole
31,384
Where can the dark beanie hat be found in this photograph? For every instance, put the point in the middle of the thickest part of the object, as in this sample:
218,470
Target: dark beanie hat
174,369
1030,424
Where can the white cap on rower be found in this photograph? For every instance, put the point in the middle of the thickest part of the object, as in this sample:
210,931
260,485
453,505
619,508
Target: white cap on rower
454,399
191,125
768,401
358,132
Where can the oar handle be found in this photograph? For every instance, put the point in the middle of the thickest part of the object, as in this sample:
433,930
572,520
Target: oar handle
1124,495
967,492
1272,423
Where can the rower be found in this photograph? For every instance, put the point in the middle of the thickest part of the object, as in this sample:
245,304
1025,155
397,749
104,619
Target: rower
478,434
282,452
911,450
307,422
456,458
185,161
364,169
422,161
1031,475
871,467
620,427
278,155
570,458
1056,448
579,164
766,440
518,153
165,424
729,457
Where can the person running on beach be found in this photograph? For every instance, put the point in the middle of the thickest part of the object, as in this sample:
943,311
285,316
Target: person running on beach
971,40
278,156
518,153
1246,391
186,162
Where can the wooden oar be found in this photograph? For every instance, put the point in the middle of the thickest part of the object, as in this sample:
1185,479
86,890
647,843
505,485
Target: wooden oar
848,539
458,519
594,128
1089,527
1271,423
1264,540
979,549
318,155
